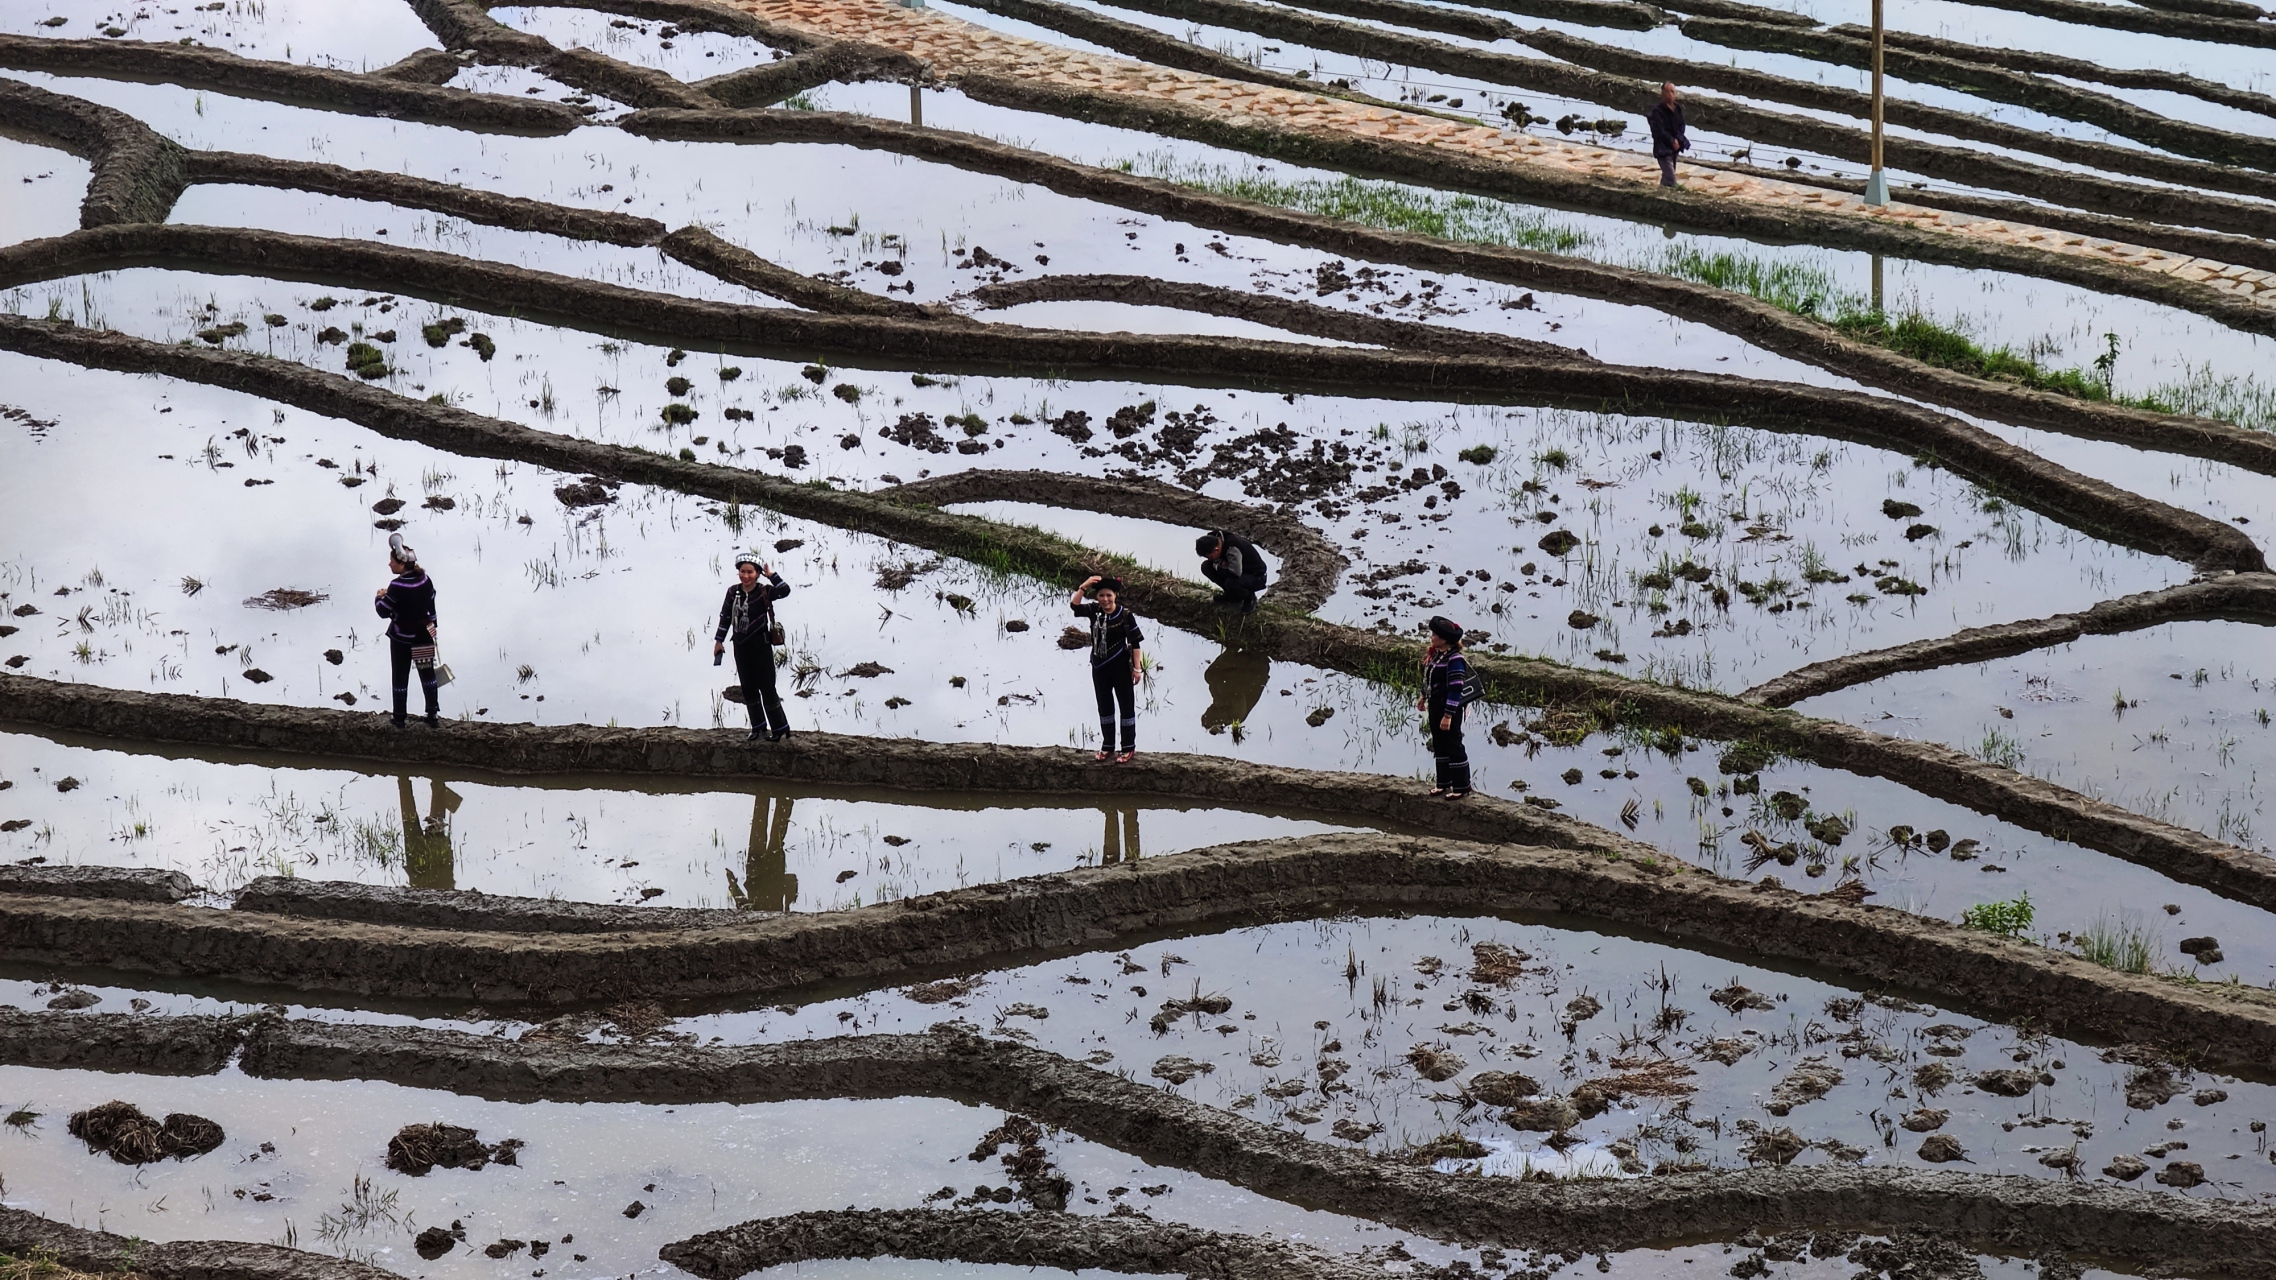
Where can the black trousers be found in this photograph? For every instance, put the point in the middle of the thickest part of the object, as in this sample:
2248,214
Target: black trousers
400,665
1116,688
1452,757
1240,590
754,670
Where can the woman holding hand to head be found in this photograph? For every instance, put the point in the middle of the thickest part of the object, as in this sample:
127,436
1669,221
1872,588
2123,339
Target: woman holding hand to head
746,618
1115,663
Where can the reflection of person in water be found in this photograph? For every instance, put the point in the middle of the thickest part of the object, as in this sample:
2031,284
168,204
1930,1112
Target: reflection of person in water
767,884
1236,680
426,845
1121,843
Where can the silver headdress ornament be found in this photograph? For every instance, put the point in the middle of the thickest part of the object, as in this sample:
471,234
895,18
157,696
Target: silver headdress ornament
750,558
401,554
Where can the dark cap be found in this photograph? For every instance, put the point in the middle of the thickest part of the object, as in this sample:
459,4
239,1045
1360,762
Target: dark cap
1109,584
1446,630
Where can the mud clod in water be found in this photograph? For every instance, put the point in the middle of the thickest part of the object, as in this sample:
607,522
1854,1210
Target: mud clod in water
433,1243
1503,1088
1038,1181
418,1148
131,1137
1941,1148
2182,1174
1925,1120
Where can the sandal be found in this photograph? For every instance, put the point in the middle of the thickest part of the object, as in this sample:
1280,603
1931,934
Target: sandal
1453,794
1105,756
1436,792
1126,757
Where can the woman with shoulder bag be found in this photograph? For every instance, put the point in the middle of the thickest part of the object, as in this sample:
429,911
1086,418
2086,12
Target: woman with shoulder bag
1446,691
747,618
408,604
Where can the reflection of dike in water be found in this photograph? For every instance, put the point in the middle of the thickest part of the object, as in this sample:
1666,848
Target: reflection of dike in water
767,884
427,861
1236,680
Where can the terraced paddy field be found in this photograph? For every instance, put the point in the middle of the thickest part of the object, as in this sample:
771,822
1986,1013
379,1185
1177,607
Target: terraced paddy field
1866,870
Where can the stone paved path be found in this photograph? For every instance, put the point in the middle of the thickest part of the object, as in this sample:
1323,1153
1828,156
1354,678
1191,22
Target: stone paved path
954,46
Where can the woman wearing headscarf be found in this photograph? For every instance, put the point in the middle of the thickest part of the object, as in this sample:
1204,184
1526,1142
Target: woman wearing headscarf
1446,673
747,618
1115,662
408,604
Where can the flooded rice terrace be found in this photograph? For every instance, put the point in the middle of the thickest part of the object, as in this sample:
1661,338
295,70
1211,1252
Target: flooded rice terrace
1846,855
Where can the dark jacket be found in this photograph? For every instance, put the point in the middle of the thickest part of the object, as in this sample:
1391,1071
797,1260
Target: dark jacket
408,606
1443,678
1240,560
1114,635
757,614
1667,129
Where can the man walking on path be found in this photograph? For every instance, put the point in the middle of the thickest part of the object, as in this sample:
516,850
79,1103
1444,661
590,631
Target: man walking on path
1668,139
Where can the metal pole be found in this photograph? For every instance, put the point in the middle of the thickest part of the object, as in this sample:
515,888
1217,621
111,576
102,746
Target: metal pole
1877,185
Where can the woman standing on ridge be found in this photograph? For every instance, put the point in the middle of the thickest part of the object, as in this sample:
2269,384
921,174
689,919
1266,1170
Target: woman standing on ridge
1446,679
1115,663
747,615
408,604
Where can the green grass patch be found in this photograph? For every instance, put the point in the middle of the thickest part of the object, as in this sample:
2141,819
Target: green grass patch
2007,919
1392,206
1803,287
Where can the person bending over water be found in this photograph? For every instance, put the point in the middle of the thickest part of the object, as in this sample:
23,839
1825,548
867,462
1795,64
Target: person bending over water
408,604
747,617
1233,563
1115,659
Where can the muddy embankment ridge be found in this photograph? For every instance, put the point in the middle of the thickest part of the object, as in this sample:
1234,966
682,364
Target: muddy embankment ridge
219,71
1285,314
2240,597
1309,567
2218,246
128,884
2162,1233
766,958
1927,767
2167,20
27,1235
467,910
2017,88
909,765
698,247
470,203
1754,321
138,175
2083,502
1599,73
1750,319
1145,44
2054,64
1059,1241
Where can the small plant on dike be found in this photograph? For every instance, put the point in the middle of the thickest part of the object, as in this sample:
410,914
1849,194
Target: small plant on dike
2126,946
40,1265
2007,919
